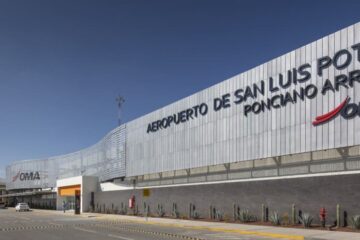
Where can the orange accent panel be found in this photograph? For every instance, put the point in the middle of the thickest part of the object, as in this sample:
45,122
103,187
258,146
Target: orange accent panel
69,190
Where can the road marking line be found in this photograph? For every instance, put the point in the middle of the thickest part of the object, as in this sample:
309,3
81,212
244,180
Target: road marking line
221,236
119,237
85,230
225,237
22,218
55,224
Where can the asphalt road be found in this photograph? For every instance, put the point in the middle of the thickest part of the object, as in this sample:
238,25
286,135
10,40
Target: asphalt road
47,225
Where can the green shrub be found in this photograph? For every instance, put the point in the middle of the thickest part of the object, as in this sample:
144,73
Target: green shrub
306,220
275,219
355,222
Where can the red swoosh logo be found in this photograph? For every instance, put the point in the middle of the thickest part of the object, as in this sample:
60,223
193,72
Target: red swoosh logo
327,116
16,177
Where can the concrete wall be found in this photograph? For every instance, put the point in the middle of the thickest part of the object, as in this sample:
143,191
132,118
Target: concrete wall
89,184
309,194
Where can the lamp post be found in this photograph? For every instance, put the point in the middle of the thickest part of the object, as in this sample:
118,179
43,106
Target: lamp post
120,101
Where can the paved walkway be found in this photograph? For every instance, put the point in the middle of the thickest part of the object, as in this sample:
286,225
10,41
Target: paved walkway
243,229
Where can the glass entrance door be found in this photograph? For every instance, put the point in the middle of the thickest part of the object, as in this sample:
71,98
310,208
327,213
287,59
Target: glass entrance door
70,202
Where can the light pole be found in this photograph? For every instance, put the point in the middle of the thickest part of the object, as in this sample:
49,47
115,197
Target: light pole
120,101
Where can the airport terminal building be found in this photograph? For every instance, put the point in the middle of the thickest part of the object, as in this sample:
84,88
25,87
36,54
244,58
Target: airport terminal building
285,132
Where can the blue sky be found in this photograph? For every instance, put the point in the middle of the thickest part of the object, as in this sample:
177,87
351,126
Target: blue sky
62,63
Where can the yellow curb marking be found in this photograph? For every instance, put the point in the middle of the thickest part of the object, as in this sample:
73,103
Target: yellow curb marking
217,229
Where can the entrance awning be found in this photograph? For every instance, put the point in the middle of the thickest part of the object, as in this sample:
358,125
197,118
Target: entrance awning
68,190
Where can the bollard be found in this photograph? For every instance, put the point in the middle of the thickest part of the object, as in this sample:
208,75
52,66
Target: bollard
293,214
266,214
345,219
190,211
263,212
234,212
338,217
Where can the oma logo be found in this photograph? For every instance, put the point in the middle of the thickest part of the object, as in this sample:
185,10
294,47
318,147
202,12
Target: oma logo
29,176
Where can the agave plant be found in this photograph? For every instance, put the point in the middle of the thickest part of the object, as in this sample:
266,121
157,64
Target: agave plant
219,215
306,220
160,210
175,212
355,222
196,215
123,210
245,216
275,219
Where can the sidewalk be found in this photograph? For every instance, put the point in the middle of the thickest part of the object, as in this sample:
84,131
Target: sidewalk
244,229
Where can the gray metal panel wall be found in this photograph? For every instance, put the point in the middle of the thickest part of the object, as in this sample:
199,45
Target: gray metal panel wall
106,159
228,136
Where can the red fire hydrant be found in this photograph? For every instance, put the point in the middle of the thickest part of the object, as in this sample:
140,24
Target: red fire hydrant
322,216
